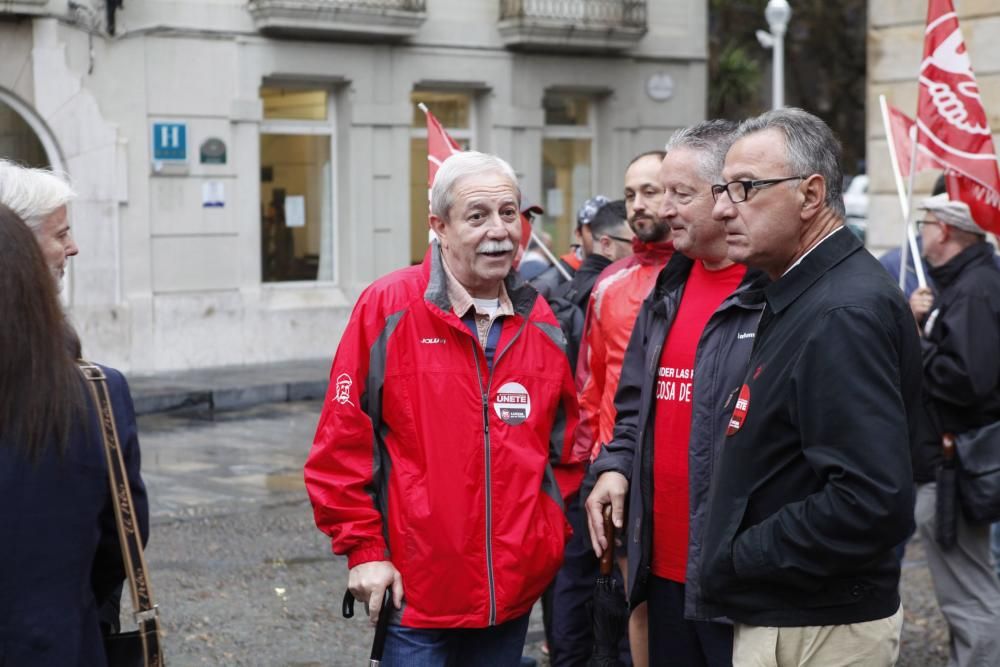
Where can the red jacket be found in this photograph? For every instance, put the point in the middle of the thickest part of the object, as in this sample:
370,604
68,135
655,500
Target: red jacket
424,458
611,312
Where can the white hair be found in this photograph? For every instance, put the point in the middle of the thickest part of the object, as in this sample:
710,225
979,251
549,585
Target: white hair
34,194
462,165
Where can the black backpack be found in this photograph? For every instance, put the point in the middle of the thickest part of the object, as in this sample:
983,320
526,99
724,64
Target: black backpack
569,312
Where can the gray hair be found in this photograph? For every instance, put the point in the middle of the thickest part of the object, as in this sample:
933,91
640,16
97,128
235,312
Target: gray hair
34,194
462,165
810,148
711,139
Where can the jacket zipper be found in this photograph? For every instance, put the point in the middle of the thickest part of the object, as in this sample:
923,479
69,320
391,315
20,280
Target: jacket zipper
484,393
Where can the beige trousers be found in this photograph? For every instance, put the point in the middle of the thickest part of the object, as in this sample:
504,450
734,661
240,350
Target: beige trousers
871,644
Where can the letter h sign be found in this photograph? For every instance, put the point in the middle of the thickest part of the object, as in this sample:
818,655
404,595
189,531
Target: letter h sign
169,141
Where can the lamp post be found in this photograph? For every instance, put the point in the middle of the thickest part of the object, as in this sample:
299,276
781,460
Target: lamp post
777,13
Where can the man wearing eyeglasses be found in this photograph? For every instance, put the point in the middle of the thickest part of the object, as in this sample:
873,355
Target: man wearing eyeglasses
691,340
813,489
960,336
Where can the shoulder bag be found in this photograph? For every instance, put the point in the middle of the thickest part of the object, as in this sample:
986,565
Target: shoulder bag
978,454
142,647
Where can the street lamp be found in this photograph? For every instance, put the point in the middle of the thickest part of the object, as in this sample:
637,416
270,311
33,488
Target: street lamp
777,13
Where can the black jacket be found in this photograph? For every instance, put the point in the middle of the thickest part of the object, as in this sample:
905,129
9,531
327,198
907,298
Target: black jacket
961,353
814,490
720,363
569,303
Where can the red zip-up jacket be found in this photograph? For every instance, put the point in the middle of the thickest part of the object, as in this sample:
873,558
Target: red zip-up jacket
425,458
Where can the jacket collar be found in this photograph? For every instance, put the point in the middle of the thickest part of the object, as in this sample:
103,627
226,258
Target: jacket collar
975,254
830,252
676,272
653,252
522,295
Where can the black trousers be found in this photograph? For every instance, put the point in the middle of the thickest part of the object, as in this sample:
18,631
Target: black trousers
677,642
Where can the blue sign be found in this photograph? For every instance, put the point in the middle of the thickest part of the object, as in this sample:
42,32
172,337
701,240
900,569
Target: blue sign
170,142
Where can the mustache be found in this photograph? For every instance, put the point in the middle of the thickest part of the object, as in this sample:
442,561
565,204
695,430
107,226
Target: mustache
495,246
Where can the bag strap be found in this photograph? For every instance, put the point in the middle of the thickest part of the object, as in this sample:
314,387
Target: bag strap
146,614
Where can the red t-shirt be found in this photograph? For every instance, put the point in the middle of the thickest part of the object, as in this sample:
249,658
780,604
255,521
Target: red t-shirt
704,293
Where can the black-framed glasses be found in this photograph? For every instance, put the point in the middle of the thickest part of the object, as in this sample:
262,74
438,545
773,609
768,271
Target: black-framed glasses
618,238
738,191
920,223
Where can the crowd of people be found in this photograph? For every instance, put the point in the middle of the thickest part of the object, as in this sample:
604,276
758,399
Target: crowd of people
726,373
726,370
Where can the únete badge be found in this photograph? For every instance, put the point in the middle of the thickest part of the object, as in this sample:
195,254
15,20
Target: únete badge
512,403
740,411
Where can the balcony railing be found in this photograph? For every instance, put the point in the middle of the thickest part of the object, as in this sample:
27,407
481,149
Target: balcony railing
542,25
23,7
362,19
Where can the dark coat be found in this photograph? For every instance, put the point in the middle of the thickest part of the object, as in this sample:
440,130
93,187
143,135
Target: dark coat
720,363
961,353
814,490
59,545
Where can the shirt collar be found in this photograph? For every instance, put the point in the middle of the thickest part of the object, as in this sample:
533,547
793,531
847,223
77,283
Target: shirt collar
819,259
461,300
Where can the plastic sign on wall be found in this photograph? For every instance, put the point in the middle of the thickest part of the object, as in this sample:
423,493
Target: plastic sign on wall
169,143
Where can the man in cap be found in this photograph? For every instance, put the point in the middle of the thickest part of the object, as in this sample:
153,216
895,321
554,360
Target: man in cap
960,340
552,278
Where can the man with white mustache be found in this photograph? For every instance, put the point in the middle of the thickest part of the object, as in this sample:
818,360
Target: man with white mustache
443,453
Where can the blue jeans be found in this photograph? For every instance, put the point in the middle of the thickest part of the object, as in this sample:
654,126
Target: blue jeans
498,646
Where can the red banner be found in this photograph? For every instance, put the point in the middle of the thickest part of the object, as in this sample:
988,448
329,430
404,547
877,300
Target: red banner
950,115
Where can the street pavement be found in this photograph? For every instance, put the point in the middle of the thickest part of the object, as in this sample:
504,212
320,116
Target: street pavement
242,576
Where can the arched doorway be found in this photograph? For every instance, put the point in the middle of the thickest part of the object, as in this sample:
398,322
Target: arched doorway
24,138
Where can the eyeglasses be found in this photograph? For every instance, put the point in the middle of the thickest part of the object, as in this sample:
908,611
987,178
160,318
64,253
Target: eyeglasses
618,238
738,191
921,223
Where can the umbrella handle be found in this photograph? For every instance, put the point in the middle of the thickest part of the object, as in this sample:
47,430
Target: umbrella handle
608,557
382,627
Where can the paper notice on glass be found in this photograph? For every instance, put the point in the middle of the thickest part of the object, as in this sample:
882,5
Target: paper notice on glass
295,211
554,202
213,194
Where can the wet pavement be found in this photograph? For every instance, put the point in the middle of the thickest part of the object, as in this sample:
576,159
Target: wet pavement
243,577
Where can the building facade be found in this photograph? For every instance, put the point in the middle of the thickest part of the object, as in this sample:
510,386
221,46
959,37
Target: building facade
246,167
895,50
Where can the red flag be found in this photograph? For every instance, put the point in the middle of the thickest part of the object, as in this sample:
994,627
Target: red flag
950,115
984,202
440,146
901,133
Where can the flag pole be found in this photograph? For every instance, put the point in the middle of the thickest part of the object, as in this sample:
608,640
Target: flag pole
911,236
548,254
910,243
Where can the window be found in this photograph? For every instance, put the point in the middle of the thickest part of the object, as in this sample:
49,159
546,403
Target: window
567,156
454,111
296,185
18,141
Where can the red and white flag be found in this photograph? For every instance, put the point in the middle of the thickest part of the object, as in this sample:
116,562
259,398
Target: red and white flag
984,202
902,129
440,146
951,117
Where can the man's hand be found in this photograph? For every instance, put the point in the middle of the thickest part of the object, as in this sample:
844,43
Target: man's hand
368,581
921,302
611,489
